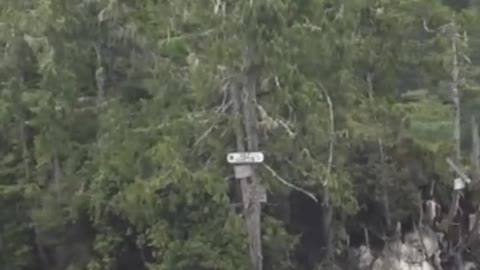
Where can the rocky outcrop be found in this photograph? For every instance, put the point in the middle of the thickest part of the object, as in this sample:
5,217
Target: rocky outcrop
420,250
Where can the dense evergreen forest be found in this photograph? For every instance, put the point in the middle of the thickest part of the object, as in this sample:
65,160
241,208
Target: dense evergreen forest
116,117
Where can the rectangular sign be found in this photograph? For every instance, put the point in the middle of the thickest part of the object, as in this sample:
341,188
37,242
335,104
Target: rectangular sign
245,158
261,194
459,171
242,171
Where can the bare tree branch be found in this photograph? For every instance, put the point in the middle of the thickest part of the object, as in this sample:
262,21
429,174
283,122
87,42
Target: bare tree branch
328,209
425,26
458,170
206,133
332,137
288,184
219,111
273,123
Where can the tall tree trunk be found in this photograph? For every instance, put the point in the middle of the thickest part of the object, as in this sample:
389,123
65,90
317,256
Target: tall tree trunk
457,141
475,159
456,132
251,207
251,74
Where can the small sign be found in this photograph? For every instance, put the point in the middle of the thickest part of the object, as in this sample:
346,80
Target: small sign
458,184
261,194
242,171
245,158
459,171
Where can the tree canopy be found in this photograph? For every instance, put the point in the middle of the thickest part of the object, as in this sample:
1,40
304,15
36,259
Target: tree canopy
116,117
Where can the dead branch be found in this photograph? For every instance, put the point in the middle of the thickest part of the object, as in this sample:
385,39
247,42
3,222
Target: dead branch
270,122
219,111
425,26
288,184
224,105
458,170
332,136
213,126
328,211
206,133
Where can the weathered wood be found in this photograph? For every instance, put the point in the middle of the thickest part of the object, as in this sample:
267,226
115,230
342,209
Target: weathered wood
475,152
454,73
239,134
243,94
253,213
474,225
458,170
327,205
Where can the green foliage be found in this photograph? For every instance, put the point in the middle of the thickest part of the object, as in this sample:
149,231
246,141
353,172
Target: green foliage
131,166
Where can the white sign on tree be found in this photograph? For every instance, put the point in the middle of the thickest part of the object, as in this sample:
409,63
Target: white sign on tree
242,162
245,158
